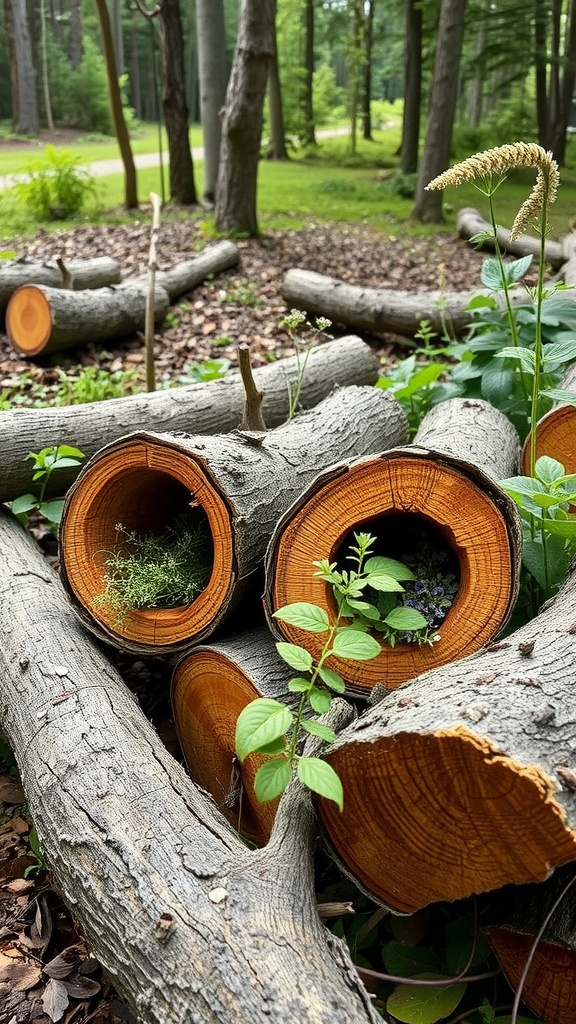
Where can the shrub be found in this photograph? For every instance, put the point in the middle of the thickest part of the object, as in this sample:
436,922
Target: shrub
57,186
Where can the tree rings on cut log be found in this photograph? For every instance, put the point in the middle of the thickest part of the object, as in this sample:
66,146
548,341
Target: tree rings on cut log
414,491
210,687
556,431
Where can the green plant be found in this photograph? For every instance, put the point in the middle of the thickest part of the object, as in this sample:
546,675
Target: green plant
93,384
44,464
302,346
416,386
209,369
157,570
57,186
35,847
244,293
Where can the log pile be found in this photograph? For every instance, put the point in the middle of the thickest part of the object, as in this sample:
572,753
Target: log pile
98,272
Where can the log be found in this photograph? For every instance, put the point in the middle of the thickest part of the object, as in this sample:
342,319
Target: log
470,222
556,431
468,779
210,687
518,915
40,320
187,275
92,273
240,485
207,408
443,484
189,923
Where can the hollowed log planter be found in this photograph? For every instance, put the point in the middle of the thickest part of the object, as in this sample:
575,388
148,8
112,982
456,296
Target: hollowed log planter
210,687
444,483
556,431
241,483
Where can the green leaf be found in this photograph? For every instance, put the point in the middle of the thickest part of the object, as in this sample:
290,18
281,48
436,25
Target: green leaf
424,1005
549,470
59,463
522,485
303,615
357,646
321,778
260,723
381,581
272,778
369,611
298,684
320,700
515,271
317,729
405,618
524,355
459,935
296,657
491,275
52,510
389,567
331,678
406,961
24,503
560,395
560,527
558,353
66,449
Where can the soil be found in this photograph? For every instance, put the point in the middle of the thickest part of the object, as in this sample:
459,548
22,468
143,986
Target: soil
242,305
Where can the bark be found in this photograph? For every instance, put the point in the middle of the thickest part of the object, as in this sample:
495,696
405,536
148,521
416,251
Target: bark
25,105
207,408
40,319
309,133
277,148
556,431
470,222
213,76
235,209
443,483
75,36
210,688
90,273
120,128
367,86
412,88
185,276
241,484
540,62
174,106
467,772
188,922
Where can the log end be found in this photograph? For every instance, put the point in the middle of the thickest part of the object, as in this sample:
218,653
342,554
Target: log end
440,816
555,437
550,986
28,320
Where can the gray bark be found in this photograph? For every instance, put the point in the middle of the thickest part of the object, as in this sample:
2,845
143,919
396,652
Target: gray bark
25,103
213,77
243,481
91,273
188,922
208,408
185,276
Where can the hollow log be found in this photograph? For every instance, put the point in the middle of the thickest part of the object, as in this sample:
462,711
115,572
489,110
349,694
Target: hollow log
185,276
92,273
189,923
210,687
518,915
40,320
444,485
207,408
556,431
470,222
241,483
467,771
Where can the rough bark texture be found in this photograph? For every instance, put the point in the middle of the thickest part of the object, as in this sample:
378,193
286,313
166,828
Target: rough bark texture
470,222
189,923
242,482
208,408
42,320
467,772
186,275
120,128
25,105
213,75
443,484
182,187
94,273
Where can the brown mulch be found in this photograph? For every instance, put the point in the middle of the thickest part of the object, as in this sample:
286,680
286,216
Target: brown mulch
46,972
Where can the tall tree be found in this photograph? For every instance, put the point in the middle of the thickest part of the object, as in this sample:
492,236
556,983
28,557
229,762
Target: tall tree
235,209
213,77
75,36
412,88
24,102
277,149
120,128
309,134
436,157
368,44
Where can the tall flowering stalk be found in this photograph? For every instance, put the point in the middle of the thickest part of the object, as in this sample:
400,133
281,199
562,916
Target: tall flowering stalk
487,171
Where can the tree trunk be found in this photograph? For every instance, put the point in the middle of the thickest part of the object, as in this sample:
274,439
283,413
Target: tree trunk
235,209
436,156
309,135
189,923
75,37
441,489
277,148
568,62
467,772
412,88
240,484
122,135
540,65
25,105
212,73
42,320
182,187
210,688
44,67
90,273
367,90
556,431
208,408
184,277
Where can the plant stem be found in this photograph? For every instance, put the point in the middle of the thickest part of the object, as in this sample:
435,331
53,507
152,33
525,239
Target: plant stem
537,343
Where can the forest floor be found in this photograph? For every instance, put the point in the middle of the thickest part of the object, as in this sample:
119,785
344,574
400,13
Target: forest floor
46,972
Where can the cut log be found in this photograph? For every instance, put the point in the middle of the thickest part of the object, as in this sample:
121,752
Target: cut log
40,320
189,923
94,273
240,483
470,222
210,687
187,275
556,431
549,989
444,486
467,772
208,408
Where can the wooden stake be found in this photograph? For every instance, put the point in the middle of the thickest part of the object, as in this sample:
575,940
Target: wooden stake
150,318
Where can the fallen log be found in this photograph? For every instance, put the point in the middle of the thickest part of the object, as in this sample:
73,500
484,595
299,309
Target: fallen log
440,490
210,687
208,408
238,484
470,222
92,273
189,923
556,431
467,772
187,275
40,320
